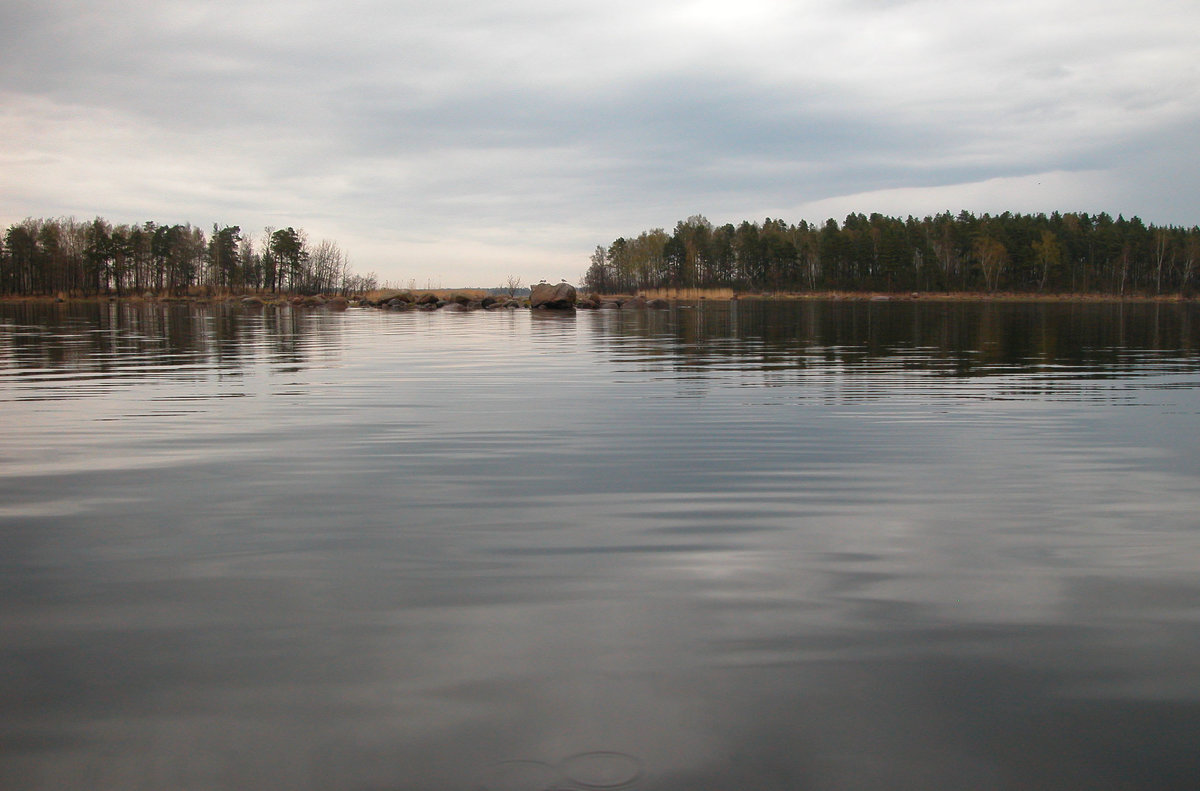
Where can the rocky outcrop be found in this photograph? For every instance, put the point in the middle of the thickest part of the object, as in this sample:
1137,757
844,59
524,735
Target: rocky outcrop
545,296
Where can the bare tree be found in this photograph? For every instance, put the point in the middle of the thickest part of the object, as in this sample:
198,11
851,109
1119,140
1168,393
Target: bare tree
512,284
326,264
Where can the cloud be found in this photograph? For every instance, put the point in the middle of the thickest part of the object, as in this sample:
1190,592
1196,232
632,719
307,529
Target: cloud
426,138
1091,191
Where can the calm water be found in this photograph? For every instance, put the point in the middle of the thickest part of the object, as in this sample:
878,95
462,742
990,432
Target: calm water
815,546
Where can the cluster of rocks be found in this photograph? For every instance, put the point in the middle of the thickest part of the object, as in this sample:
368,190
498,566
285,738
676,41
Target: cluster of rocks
543,296
563,297
404,299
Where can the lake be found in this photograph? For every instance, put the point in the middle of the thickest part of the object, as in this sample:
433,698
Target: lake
817,545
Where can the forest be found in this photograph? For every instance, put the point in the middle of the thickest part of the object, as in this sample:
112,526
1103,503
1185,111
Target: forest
67,256
1073,253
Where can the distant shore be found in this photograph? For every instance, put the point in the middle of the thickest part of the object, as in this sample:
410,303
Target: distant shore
970,296
671,295
710,295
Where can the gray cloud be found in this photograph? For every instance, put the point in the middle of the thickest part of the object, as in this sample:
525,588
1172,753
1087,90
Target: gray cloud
454,140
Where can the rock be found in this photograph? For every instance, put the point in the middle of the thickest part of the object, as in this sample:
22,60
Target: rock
337,303
610,305
556,297
455,307
489,301
251,301
658,304
427,299
633,303
586,304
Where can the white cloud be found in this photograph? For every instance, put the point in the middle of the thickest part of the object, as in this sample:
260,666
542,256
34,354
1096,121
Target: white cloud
1091,191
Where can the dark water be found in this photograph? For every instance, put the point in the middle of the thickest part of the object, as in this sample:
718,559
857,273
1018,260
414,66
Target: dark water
814,546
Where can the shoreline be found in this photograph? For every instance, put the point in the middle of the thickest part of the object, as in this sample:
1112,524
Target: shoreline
670,295
966,296
726,295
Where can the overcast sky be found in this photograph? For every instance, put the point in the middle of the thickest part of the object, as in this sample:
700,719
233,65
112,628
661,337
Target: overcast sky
459,141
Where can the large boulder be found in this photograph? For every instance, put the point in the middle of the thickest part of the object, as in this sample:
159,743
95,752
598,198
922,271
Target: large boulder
553,297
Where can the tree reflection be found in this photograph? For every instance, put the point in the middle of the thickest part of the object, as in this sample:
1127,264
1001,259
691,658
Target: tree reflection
946,338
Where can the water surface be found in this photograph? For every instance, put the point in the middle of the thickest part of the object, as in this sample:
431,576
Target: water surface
725,546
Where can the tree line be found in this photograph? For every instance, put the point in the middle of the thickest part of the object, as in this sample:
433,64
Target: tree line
1025,253
65,255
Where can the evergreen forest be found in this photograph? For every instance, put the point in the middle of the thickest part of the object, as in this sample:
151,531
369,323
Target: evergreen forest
66,256
1073,253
